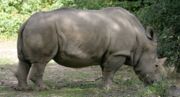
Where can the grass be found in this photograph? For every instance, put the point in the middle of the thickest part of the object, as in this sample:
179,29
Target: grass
79,92
155,89
86,90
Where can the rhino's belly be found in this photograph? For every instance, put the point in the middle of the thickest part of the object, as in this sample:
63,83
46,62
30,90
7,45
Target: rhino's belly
76,59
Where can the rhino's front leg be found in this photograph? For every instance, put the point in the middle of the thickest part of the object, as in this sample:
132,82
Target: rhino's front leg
109,68
21,75
36,75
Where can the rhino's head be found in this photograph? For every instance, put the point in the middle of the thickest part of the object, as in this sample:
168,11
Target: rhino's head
151,73
149,68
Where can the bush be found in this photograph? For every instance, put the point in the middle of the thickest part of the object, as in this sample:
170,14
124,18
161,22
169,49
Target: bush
14,12
164,16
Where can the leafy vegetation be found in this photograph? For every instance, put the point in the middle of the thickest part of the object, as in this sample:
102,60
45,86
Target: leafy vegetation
164,16
14,12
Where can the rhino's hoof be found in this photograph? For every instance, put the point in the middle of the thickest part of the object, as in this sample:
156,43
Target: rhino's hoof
18,88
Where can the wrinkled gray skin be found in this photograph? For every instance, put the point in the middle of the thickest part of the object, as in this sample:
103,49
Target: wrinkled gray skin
109,37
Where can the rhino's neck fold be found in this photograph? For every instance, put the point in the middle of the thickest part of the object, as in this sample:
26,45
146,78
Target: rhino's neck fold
137,52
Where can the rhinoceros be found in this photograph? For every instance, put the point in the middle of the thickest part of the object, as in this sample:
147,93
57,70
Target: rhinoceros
109,37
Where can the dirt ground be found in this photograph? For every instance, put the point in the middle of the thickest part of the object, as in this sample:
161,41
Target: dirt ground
68,82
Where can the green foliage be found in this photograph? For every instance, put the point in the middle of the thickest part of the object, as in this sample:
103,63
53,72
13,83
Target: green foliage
14,12
97,4
87,4
8,25
8,22
164,16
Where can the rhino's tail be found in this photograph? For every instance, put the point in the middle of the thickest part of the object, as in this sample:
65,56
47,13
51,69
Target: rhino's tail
20,43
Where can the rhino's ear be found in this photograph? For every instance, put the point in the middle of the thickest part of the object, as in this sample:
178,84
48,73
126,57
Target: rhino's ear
162,60
150,33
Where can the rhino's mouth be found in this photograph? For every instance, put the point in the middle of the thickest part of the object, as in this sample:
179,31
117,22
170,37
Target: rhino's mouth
149,81
146,78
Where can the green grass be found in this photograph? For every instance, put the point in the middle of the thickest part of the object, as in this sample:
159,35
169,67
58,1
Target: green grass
155,89
64,92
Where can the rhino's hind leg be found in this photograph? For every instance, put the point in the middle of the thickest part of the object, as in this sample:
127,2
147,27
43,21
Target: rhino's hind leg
109,68
21,75
36,75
